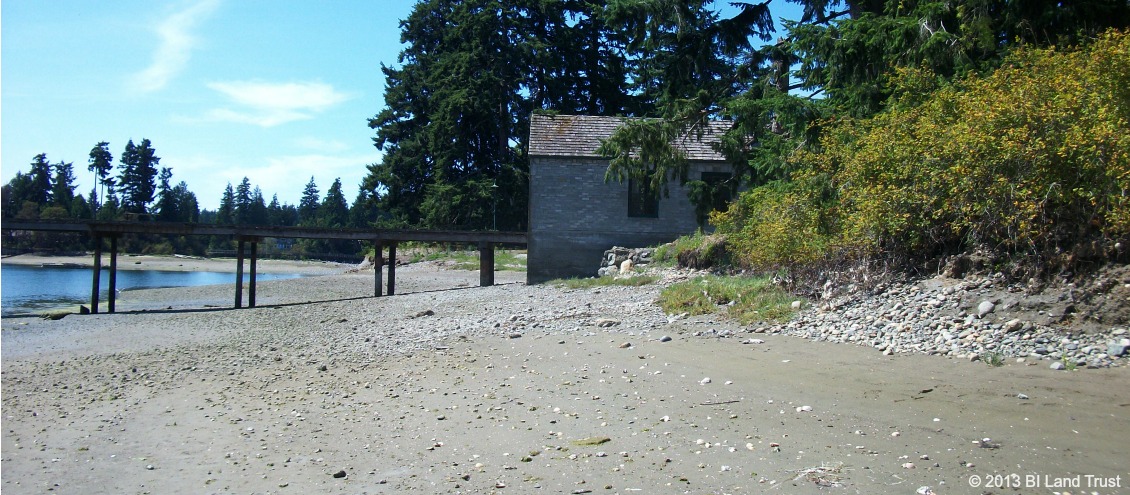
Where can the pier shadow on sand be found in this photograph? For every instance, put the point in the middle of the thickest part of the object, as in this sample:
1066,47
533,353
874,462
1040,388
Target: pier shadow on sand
211,309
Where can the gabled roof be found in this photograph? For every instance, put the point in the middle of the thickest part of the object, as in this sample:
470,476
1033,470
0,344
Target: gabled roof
580,136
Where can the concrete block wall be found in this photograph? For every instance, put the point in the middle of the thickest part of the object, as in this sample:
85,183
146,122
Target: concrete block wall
575,216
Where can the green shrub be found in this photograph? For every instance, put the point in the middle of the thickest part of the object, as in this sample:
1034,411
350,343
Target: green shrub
1031,159
777,225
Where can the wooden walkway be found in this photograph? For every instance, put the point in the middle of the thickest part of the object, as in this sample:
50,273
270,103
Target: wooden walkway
249,237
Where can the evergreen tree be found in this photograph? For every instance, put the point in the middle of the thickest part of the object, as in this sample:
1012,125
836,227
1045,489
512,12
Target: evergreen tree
850,50
188,208
92,200
136,177
101,163
257,208
285,215
274,212
17,193
207,217
167,204
334,210
243,202
682,53
63,187
289,214
686,61
80,208
226,214
39,188
842,54
363,213
110,209
308,204
457,111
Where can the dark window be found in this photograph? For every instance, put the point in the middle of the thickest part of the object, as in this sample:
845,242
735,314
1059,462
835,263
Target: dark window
721,189
712,193
642,201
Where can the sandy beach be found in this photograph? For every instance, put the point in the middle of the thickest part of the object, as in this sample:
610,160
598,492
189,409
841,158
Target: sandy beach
452,388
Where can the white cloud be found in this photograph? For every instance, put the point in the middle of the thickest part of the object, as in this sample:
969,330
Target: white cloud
262,119
292,172
284,175
270,104
322,145
176,45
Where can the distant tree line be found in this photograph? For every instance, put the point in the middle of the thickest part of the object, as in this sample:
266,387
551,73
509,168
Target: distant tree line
141,190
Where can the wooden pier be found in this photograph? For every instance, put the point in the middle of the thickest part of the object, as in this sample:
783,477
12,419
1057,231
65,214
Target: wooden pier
249,237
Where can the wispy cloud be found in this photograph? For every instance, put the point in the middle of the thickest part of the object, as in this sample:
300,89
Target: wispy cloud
284,175
322,145
269,104
175,47
323,167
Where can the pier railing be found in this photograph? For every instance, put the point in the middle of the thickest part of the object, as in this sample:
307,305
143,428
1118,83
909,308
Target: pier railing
248,238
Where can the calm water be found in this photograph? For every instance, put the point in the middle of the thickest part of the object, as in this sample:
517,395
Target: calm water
31,289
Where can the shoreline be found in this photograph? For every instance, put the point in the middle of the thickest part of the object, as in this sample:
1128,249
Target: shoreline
168,263
182,263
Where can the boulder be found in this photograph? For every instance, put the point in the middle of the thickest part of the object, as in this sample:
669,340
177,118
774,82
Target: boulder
985,308
1116,349
616,256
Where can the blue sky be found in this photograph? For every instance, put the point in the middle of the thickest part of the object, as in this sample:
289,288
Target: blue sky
277,91
274,90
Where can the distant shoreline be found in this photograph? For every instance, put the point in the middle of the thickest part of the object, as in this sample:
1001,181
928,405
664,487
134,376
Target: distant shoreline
181,263
126,299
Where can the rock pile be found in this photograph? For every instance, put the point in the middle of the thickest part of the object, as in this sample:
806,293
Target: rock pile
972,318
622,260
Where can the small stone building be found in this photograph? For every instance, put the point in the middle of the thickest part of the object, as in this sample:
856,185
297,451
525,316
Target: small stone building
575,215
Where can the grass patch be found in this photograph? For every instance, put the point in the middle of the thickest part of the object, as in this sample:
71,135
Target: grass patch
993,358
1069,364
592,282
668,254
504,260
745,299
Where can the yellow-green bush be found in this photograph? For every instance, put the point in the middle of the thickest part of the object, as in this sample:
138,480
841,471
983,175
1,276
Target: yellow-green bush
1028,159
775,226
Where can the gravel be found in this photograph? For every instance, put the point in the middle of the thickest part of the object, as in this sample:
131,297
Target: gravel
947,317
